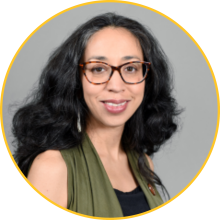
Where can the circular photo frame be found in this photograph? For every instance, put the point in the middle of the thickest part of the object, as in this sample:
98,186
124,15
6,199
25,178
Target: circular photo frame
182,158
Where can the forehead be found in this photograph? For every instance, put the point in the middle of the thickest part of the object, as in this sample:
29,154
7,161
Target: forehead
113,42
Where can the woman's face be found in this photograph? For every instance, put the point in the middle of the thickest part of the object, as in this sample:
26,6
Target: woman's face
113,103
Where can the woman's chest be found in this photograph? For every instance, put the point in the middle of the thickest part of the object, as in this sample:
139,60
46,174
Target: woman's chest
120,174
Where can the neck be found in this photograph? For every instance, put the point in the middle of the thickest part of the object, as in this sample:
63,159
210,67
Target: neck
106,139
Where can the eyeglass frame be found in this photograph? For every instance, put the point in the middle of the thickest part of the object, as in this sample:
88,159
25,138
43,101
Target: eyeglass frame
82,65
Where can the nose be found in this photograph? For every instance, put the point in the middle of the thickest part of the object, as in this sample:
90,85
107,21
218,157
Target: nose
116,83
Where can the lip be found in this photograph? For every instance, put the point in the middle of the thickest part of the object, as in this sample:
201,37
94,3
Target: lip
115,101
115,109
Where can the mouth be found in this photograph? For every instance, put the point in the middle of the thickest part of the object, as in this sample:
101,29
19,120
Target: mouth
115,106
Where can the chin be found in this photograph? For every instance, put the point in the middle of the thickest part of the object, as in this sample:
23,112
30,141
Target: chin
116,122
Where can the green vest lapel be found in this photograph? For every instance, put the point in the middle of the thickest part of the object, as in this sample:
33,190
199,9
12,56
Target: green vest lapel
153,200
102,196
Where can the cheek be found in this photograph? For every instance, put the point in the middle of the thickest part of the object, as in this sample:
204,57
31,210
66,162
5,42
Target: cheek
90,92
138,91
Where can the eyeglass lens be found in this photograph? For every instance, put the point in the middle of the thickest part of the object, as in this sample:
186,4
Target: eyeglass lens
99,72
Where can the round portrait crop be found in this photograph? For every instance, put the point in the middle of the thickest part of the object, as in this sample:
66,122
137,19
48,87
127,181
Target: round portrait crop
103,105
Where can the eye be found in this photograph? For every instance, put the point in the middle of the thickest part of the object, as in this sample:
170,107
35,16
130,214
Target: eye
97,69
130,69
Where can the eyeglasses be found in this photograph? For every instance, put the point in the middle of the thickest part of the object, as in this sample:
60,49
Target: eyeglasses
97,72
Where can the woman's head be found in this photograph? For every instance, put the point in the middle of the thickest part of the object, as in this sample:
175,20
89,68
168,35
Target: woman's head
114,102
62,75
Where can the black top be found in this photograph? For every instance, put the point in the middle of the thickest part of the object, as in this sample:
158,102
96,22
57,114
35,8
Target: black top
133,202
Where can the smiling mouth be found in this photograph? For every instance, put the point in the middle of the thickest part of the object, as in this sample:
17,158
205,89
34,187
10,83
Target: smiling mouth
115,106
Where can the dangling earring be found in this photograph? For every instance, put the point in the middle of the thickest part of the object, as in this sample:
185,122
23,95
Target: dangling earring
78,123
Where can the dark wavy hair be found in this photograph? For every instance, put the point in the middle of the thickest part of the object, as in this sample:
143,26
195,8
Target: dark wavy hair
49,119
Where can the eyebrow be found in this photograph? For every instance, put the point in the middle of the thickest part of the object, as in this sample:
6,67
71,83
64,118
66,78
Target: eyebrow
105,58
97,58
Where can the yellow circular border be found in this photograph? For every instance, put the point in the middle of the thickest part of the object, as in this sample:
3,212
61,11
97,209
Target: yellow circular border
125,2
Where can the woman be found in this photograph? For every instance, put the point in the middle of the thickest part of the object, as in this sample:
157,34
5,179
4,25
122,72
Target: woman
103,106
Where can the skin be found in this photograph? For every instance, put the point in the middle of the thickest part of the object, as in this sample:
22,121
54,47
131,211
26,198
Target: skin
48,172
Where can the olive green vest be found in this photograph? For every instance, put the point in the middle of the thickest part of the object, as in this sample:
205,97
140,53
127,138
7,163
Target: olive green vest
89,189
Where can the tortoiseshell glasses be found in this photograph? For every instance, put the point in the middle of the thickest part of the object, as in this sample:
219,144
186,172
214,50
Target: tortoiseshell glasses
97,72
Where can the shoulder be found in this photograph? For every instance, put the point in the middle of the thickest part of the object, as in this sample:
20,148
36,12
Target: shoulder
150,162
48,173
50,160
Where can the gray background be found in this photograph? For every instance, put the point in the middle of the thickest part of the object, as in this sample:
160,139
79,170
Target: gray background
180,159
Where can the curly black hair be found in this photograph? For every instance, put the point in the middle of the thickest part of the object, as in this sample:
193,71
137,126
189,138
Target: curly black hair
49,119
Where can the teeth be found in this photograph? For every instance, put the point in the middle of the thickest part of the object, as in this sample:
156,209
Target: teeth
113,104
